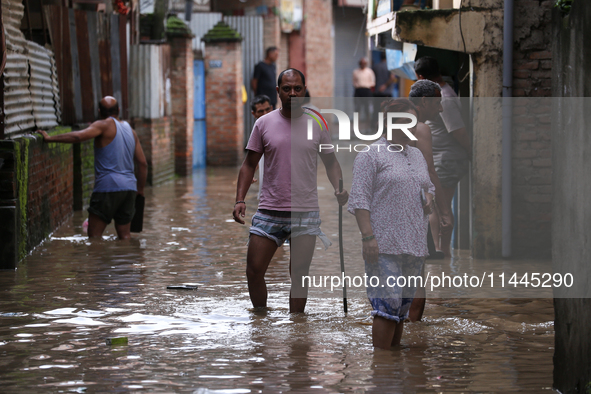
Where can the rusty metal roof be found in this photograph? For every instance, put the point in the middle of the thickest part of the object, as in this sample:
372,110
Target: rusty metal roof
41,86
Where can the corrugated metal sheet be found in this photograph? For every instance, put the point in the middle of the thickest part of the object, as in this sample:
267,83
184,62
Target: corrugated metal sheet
58,22
18,107
83,48
76,82
147,81
251,29
56,90
201,23
42,86
17,97
29,80
12,14
95,63
115,58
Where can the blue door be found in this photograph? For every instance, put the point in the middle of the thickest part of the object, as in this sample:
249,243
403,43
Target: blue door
199,135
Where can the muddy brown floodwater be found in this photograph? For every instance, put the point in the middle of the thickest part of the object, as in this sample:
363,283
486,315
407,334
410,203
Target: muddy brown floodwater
69,295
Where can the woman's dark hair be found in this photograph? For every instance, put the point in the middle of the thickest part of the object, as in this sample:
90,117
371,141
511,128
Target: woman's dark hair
291,69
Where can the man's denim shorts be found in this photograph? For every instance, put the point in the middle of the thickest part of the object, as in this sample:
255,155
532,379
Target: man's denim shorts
282,225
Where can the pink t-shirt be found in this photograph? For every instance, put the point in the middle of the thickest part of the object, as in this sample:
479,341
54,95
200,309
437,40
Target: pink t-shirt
291,161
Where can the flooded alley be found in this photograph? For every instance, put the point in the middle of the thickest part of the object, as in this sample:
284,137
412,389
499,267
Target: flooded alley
69,295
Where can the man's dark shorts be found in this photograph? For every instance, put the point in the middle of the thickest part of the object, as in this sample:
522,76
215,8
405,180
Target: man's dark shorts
113,205
450,172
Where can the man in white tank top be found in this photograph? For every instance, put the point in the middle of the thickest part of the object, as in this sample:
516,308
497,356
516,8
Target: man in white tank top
116,148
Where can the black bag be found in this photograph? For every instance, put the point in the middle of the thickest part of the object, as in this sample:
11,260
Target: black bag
137,223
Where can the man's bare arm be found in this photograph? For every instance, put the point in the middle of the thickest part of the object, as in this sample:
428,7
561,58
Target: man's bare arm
142,165
461,135
333,170
92,131
244,181
253,84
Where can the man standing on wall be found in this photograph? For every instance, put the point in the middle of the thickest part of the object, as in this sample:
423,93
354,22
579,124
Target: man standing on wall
116,147
263,80
451,145
288,206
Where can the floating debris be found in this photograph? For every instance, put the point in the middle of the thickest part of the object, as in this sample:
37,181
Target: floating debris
182,287
116,341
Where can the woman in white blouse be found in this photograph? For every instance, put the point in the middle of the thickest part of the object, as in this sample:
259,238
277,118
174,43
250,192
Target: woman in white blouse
391,198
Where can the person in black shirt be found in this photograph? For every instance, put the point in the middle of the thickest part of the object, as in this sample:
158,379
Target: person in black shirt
263,80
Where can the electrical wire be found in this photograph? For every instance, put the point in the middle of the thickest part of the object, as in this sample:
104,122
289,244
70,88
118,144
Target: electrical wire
464,43
361,29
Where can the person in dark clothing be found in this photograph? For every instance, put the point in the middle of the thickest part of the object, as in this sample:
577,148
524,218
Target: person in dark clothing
385,79
263,80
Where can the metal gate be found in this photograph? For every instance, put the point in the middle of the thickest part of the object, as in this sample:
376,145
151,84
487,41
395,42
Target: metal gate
251,30
199,132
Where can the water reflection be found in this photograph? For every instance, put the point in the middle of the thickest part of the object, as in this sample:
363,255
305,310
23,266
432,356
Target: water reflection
70,294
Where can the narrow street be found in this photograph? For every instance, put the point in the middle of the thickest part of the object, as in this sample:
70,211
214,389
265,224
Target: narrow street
70,294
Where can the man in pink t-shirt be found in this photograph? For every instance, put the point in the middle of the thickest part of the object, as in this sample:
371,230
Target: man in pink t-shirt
288,207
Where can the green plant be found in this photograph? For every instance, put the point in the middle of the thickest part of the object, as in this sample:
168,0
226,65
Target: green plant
564,5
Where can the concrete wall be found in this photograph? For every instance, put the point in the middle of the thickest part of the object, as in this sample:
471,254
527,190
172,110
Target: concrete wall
532,142
571,186
36,193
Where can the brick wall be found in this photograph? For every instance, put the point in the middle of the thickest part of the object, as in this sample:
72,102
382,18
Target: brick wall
272,32
36,193
223,95
283,61
157,143
319,47
532,154
182,103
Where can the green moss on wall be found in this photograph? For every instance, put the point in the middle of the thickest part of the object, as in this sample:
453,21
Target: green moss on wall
21,162
58,148
175,27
